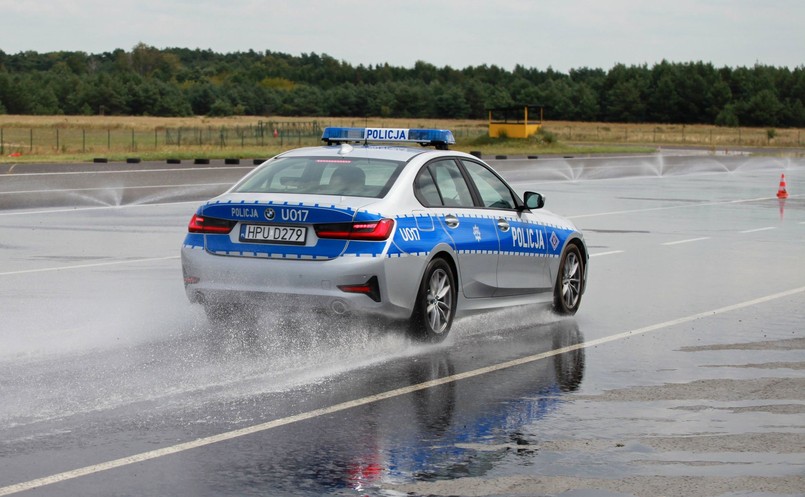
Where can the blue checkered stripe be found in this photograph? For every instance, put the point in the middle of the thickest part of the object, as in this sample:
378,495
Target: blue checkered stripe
417,235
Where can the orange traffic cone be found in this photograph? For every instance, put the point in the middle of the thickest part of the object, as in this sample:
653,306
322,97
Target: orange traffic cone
781,192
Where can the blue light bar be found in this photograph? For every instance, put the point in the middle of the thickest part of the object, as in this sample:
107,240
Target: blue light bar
440,138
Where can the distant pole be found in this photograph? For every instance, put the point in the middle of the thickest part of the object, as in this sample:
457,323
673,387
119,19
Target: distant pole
31,141
2,143
83,141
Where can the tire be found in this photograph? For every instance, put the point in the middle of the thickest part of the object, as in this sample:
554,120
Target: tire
569,282
435,304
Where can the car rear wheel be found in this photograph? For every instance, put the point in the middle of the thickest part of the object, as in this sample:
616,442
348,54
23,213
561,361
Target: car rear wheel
569,281
435,303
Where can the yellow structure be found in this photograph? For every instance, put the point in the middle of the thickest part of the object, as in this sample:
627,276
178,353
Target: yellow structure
514,121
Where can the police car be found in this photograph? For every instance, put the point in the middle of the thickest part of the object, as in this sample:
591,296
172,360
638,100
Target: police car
413,233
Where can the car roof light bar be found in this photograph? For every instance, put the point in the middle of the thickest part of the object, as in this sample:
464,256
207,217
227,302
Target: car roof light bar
439,138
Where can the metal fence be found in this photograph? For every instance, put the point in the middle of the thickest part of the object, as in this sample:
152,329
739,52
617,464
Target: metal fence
72,140
49,140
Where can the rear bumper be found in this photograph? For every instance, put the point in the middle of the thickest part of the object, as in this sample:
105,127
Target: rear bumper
302,285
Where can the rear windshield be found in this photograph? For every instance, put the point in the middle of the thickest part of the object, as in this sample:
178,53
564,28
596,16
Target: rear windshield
323,176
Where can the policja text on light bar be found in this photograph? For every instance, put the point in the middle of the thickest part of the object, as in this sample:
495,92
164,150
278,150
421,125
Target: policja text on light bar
439,138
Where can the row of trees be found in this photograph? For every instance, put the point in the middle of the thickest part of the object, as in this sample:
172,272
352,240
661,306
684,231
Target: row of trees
181,82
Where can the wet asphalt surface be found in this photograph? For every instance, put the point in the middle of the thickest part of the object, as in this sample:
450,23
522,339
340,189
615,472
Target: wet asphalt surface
682,374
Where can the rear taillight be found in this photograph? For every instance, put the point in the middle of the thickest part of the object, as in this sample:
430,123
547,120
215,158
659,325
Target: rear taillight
201,224
371,288
362,230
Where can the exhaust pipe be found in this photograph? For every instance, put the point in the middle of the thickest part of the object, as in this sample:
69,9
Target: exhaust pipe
339,307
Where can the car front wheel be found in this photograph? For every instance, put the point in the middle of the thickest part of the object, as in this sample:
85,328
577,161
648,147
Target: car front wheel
435,304
569,282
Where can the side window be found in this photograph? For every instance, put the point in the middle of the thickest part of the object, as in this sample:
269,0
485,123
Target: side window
452,187
494,193
426,189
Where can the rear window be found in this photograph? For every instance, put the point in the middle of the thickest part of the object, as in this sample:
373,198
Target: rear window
323,176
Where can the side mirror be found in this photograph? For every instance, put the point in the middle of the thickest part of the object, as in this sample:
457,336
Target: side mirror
534,200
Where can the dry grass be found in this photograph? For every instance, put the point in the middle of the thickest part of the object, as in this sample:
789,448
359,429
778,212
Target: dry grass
118,122
698,135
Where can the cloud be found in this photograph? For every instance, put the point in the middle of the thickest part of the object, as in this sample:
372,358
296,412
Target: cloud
456,33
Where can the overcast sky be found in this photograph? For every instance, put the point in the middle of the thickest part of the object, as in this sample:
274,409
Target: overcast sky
562,34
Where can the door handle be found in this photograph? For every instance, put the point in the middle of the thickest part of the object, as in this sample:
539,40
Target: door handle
451,221
503,225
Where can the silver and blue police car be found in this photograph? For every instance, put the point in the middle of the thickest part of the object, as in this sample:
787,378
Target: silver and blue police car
413,233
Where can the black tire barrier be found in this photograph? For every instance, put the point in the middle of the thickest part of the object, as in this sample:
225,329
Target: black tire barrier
475,153
201,161
257,162
173,161
231,161
100,160
533,156
501,157
133,160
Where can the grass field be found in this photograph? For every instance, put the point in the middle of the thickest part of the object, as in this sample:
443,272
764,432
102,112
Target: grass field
82,138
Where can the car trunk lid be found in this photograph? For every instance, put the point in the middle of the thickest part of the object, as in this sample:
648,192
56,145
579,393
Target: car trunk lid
275,227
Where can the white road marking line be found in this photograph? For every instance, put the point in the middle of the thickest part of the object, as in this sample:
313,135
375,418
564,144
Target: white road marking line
759,229
689,240
670,207
250,430
113,188
611,252
167,170
95,208
614,157
84,266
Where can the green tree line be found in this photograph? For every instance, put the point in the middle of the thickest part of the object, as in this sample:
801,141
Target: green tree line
183,82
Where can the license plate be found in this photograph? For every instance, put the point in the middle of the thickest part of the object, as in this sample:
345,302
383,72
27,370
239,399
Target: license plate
265,233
